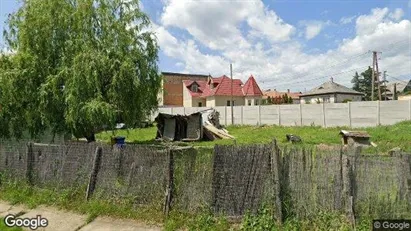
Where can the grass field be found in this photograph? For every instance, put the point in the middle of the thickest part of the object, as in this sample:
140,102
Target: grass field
3,226
386,137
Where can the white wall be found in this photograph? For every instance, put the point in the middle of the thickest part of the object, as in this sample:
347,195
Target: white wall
332,98
351,114
187,99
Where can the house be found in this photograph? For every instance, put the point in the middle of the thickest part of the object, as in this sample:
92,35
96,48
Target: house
171,93
402,87
274,93
330,92
219,92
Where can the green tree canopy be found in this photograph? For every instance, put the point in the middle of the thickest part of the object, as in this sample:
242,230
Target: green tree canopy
77,66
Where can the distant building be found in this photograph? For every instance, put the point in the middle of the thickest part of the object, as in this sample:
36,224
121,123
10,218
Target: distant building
401,86
274,93
330,92
171,93
217,92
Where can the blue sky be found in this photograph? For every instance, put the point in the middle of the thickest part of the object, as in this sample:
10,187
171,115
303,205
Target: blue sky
285,44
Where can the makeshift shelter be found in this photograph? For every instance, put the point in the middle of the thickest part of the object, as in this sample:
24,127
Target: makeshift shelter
203,125
355,138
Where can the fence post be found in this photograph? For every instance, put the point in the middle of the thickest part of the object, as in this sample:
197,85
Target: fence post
225,116
94,172
301,114
259,114
242,115
409,109
279,115
30,164
378,113
276,171
184,110
349,114
170,183
324,123
347,195
172,111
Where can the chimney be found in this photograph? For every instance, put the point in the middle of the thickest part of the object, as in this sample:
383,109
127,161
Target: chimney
288,90
332,80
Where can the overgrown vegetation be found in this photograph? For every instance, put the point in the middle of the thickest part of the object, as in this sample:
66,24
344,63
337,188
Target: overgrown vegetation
386,137
3,226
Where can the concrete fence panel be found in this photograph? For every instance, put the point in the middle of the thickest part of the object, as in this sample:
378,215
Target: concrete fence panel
270,114
392,112
290,115
312,114
364,114
251,115
336,114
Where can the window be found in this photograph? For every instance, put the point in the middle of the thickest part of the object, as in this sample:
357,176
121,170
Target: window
228,103
326,99
200,104
194,88
256,102
249,102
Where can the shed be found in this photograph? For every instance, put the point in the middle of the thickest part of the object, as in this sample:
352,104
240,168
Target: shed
203,125
355,138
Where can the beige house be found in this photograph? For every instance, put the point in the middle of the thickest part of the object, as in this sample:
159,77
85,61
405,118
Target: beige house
219,92
330,92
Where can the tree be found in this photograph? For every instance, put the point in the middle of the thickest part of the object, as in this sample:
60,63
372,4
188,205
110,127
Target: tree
356,82
362,84
78,66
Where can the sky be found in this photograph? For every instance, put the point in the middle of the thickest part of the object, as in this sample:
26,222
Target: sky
287,44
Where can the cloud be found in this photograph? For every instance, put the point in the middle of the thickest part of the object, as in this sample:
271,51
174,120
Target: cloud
365,24
216,24
347,20
397,14
313,28
280,62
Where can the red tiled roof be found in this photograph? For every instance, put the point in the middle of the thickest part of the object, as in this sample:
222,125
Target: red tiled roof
223,87
251,88
273,94
202,87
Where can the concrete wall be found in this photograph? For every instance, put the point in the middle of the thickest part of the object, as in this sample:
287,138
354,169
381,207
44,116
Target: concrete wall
351,114
187,99
222,101
253,101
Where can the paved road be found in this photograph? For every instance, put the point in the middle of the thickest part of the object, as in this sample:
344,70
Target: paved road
59,220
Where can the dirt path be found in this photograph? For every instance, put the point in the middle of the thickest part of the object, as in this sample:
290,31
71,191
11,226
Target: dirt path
59,220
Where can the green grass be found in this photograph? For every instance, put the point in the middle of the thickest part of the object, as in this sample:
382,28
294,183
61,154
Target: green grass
3,226
386,137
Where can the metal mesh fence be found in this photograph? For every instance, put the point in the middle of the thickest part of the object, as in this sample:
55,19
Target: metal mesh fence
231,180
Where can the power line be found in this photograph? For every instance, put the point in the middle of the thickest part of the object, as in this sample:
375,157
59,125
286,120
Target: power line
347,59
323,77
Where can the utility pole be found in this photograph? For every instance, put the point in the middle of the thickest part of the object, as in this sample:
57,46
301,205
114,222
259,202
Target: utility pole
374,54
232,101
375,76
384,80
378,77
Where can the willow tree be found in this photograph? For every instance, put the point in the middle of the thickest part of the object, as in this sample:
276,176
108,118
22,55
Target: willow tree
79,65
